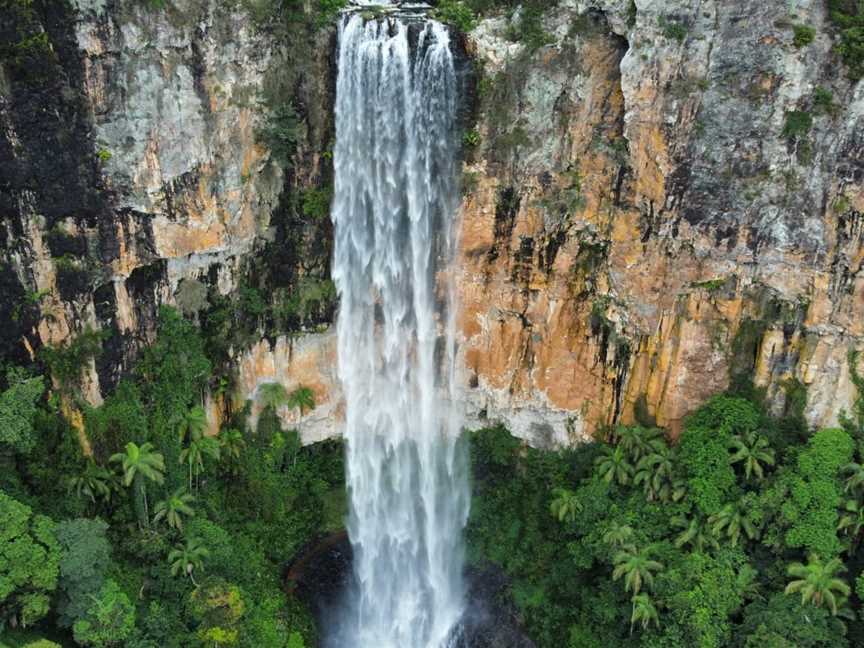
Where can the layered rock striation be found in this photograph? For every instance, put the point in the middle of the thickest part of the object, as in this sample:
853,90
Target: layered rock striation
662,202
662,198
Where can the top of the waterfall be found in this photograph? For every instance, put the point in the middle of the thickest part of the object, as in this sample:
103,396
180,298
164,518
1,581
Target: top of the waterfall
392,6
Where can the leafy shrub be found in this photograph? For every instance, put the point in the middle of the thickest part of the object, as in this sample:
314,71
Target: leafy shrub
17,411
86,557
807,497
191,296
471,138
327,11
798,124
703,591
456,13
109,621
30,564
803,35
310,298
673,30
704,449
848,17
289,17
529,28
783,621
316,203
823,100
280,133
66,362
217,607
706,459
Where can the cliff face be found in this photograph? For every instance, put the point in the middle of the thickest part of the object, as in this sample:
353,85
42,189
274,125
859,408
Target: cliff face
134,175
647,219
658,201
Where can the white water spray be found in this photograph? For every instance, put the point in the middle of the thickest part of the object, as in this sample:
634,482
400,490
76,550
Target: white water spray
396,197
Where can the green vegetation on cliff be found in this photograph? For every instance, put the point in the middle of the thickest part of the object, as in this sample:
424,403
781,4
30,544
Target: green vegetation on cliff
162,536
526,16
744,533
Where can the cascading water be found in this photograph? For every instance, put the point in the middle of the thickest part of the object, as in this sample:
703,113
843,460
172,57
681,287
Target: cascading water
396,198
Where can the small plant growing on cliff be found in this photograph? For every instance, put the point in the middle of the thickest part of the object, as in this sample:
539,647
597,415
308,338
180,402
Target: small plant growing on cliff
471,138
823,101
632,11
30,300
456,13
328,10
803,35
316,203
528,28
280,133
104,155
798,124
673,30
66,362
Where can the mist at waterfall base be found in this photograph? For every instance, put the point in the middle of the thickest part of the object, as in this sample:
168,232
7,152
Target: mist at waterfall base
395,203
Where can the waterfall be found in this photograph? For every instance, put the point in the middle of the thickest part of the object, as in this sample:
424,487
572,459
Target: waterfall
396,198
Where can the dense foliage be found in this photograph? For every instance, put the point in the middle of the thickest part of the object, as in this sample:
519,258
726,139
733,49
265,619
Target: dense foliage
848,16
526,17
163,535
746,532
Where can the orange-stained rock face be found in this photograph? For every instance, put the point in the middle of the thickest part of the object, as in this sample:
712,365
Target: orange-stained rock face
637,228
600,281
307,361
633,235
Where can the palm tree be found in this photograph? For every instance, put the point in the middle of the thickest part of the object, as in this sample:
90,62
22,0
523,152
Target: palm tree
638,441
188,557
636,567
855,480
302,398
613,465
273,395
565,505
818,583
192,424
619,535
754,450
655,471
679,489
174,507
851,520
140,465
732,519
644,612
231,444
95,482
696,533
193,455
